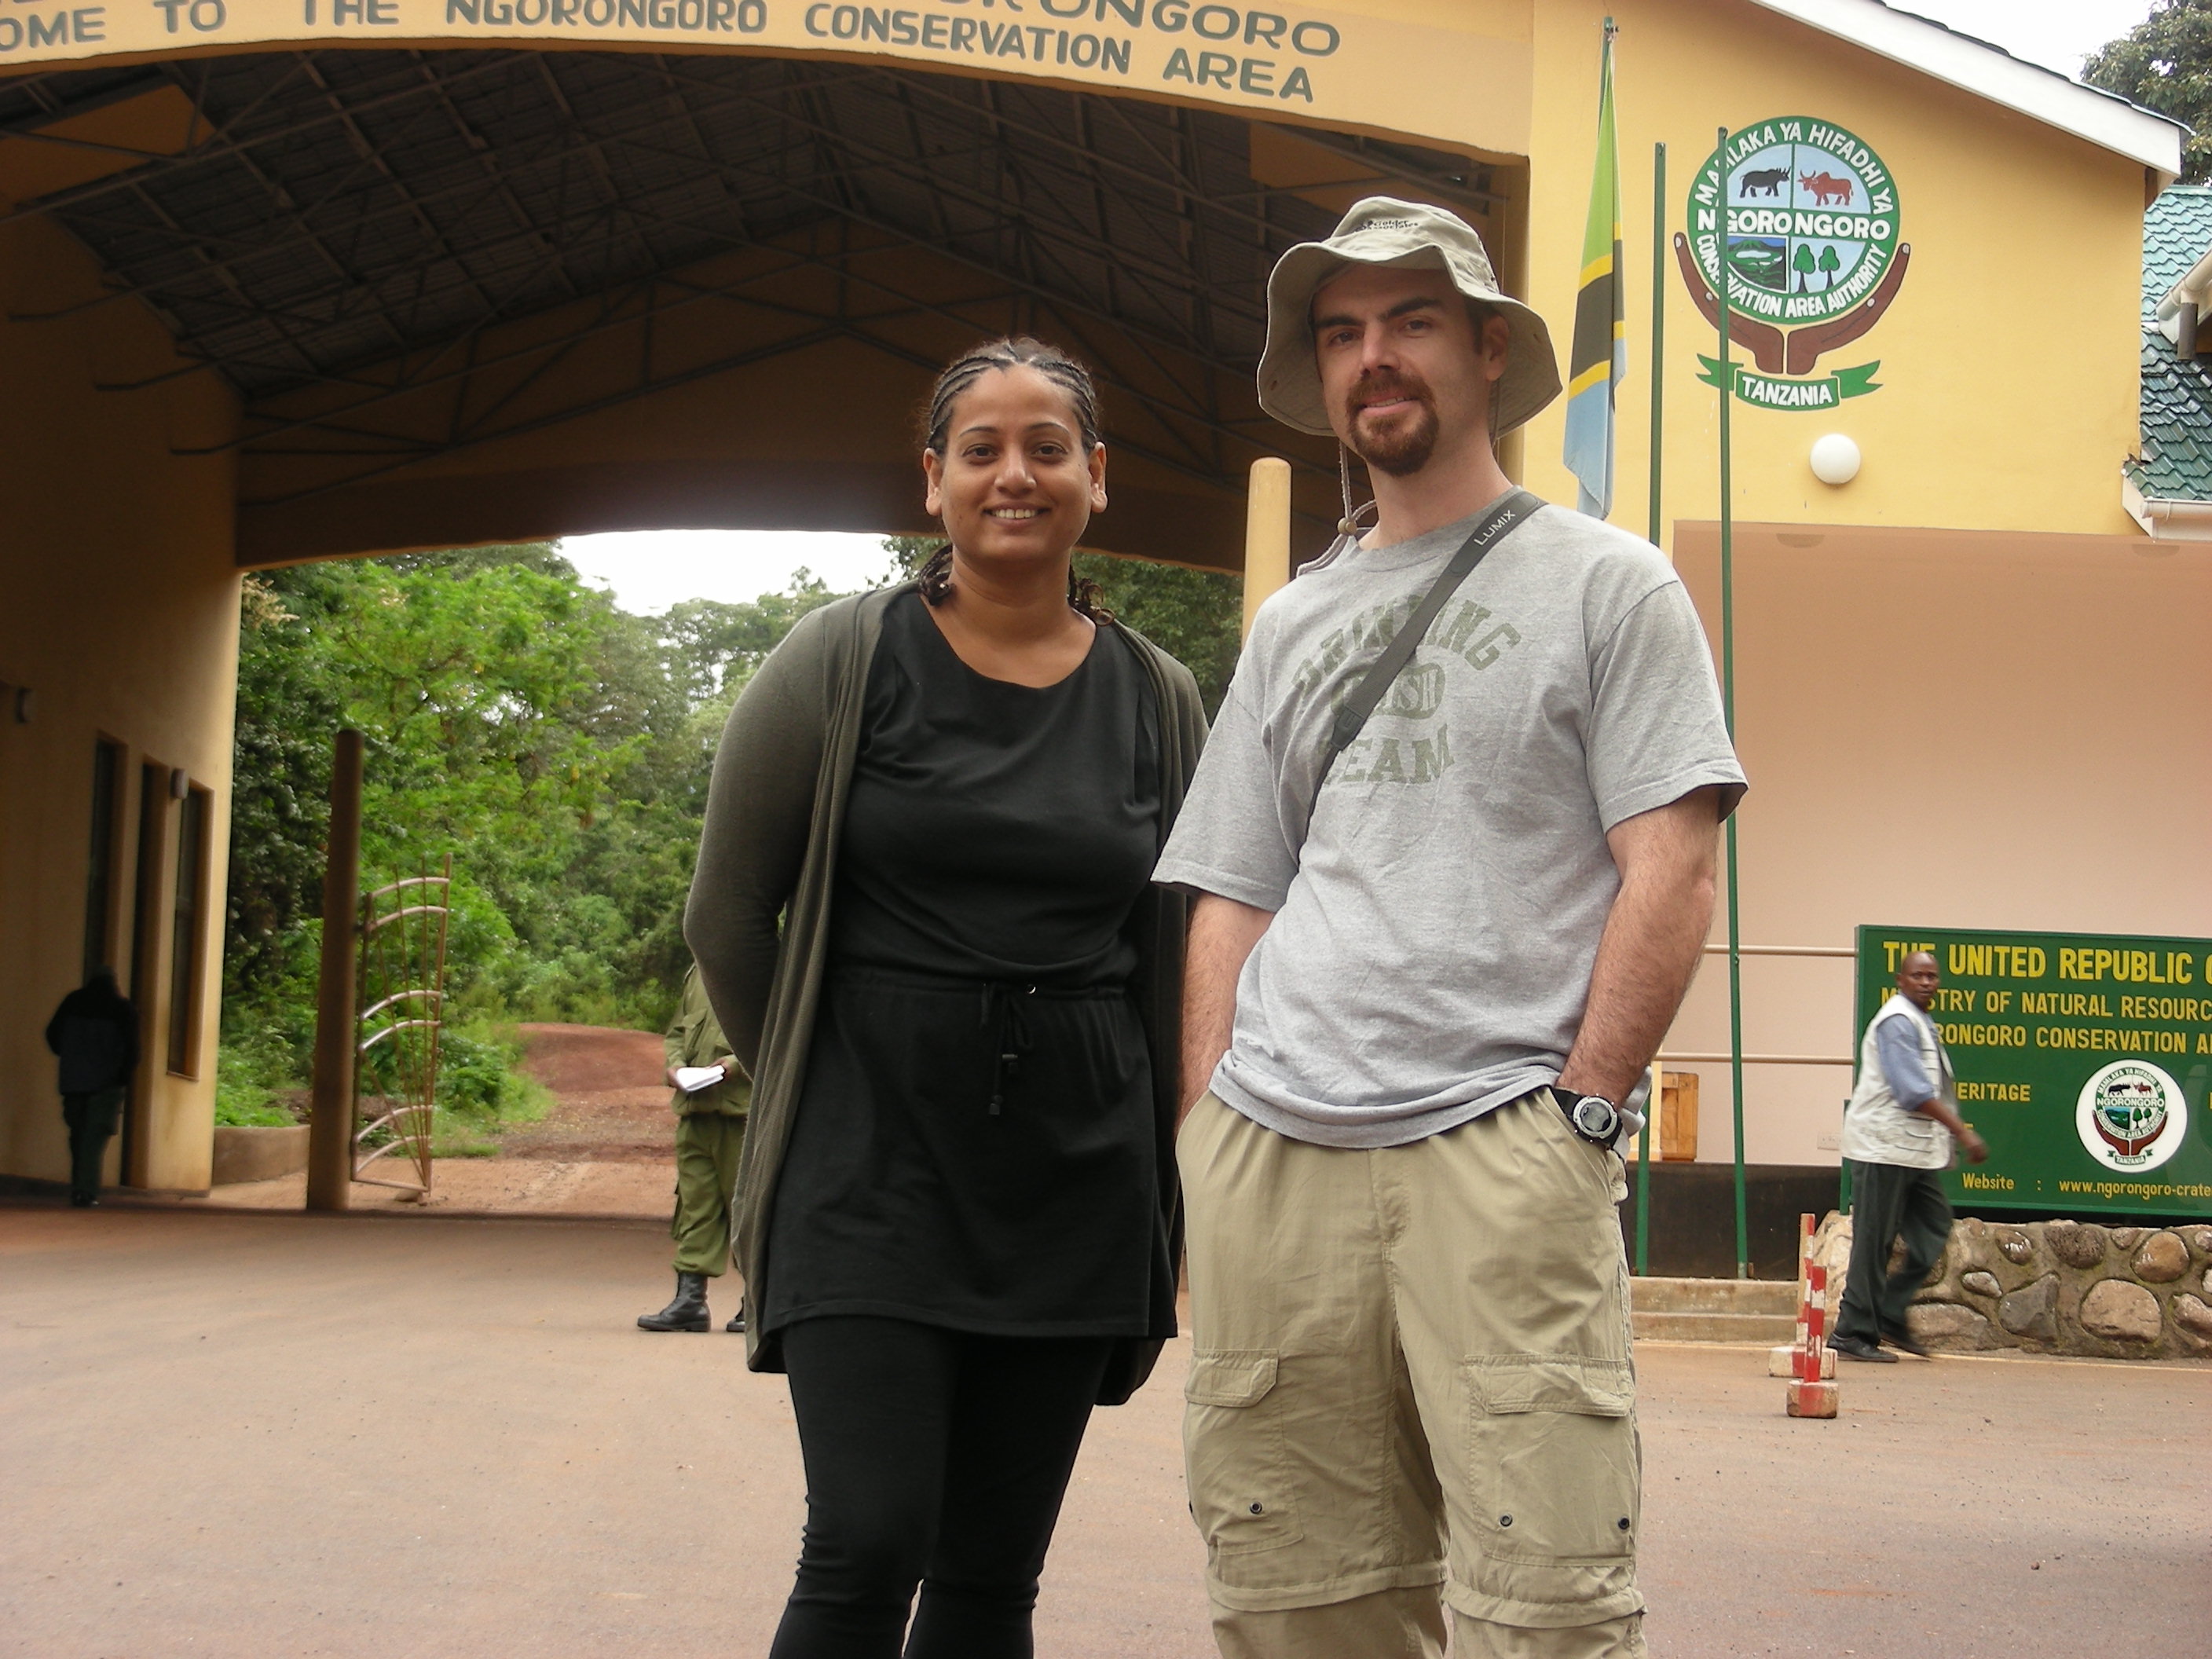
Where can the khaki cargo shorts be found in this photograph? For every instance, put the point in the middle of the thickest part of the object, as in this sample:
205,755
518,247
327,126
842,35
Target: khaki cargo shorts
1397,1347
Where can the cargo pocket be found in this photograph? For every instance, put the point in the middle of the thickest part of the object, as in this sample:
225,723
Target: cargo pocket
1237,1465
1552,1467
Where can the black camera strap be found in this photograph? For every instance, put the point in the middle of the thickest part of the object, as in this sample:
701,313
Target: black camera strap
1513,509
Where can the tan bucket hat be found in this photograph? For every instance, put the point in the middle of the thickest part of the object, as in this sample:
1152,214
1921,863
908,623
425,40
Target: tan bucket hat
1384,231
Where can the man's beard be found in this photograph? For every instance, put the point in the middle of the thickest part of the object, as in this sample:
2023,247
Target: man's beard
1406,447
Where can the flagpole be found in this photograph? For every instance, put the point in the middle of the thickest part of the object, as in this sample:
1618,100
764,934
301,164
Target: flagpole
1728,711
1658,410
1597,355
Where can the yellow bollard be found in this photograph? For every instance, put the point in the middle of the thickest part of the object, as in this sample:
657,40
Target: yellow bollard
1266,533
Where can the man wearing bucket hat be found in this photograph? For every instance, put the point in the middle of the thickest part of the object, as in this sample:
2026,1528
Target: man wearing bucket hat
1453,843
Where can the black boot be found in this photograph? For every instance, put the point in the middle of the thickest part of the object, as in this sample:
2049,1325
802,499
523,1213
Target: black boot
688,1312
737,1325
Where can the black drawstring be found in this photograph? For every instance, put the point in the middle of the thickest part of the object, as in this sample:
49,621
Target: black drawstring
1005,1003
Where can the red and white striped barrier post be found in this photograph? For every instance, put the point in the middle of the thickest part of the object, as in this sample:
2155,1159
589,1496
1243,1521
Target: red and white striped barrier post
1808,1393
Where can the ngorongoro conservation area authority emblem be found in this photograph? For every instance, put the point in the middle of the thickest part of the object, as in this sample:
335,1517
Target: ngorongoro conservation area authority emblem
2130,1115
1803,216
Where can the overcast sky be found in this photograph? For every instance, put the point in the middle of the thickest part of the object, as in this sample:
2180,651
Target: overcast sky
2057,34
651,570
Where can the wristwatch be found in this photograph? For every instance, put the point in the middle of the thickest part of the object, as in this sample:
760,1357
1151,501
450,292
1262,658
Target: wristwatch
1593,1117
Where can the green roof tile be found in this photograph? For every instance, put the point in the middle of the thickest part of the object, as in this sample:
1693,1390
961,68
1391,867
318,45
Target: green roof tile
2177,234
2177,424
2176,463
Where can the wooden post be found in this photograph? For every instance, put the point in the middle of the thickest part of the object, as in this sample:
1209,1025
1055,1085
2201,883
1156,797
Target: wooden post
1678,1123
329,1120
1266,533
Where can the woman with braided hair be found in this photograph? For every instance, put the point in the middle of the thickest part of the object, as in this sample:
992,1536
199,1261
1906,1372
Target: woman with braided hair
957,1217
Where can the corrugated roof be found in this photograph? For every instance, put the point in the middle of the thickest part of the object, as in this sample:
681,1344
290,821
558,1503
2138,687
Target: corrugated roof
341,208
357,203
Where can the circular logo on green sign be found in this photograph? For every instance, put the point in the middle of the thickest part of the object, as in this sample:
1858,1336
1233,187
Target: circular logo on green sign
1805,214
2130,1115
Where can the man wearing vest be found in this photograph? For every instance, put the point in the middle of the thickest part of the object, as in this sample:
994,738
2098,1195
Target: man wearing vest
1431,956
1898,1136
710,1139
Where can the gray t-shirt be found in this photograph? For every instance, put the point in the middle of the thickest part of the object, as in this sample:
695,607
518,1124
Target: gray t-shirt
1435,929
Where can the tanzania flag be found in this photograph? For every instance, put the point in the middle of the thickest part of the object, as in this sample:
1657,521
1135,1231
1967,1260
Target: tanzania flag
1599,359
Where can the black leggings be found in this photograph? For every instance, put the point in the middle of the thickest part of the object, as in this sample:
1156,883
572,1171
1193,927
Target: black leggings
932,1457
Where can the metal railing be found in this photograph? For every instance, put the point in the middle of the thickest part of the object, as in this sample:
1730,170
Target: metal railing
1724,1058
1735,1060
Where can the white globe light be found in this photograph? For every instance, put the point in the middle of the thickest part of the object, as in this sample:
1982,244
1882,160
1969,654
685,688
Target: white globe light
1835,460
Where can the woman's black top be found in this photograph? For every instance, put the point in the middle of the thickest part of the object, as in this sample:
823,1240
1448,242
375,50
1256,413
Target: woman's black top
974,1146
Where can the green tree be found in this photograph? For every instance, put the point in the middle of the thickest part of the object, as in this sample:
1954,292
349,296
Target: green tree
2165,61
287,706
1831,264
1803,262
556,746
1195,616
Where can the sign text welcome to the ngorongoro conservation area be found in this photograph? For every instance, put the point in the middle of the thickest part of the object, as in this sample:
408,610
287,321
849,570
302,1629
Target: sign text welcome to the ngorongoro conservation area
1282,57
2082,1058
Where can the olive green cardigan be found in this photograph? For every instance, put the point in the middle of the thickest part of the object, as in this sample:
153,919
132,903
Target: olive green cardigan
768,851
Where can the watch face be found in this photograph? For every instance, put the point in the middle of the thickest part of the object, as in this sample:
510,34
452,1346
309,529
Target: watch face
1597,1118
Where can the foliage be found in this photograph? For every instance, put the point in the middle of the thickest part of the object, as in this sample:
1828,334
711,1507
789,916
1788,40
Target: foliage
2165,61
1195,616
476,1075
256,1074
556,746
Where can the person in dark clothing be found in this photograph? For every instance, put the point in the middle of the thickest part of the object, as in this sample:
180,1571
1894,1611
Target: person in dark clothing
95,1033
957,1217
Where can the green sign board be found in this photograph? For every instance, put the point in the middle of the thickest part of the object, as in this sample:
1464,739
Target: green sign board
2082,1058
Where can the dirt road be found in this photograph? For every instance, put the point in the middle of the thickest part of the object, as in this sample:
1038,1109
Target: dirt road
610,1105
364,1439
606,1146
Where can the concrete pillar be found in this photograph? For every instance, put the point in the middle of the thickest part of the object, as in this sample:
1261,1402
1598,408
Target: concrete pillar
329,1119
1266,533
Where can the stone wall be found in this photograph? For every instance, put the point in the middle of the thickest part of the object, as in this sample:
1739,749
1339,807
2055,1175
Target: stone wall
2066,1287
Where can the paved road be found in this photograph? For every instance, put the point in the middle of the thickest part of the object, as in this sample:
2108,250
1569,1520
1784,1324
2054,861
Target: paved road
378,1435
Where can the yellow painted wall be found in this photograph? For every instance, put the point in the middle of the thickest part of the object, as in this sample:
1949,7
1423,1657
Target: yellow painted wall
2009,360
121,618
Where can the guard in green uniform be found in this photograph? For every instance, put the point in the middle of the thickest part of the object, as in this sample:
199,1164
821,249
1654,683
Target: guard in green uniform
710,1136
